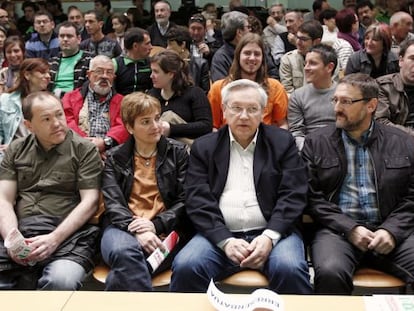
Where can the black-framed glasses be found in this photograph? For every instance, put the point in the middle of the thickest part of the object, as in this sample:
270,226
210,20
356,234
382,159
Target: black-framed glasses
347,101
303,39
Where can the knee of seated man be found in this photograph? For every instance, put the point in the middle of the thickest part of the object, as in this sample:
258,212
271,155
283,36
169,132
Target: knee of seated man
59,281
185,262
62,274
330,263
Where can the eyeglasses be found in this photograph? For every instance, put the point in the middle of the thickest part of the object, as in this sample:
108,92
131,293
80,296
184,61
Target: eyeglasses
239,110
303,39
347,101
101,71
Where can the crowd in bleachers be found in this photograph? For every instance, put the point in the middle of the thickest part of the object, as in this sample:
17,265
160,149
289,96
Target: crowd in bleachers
144,89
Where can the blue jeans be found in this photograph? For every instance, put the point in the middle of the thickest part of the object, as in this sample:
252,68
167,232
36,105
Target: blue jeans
61,274
123,254
199,261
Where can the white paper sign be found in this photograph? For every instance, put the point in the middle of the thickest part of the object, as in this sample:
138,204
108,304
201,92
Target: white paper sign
260,299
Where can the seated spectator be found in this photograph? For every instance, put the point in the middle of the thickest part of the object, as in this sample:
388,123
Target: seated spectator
330,31
347,22
132,69
139,16
317,7
275,24
179,40
34,76
233,26
286,41
158,30
185,108
49,188
120,24
366,15
396,93
375,59
361,179
103,8
7,21
256,27
3,36
243,221
292,64
203,44
68,69
44,42
249,63
401,24
310,106
76,16
98,43
14,54
25,23
93,110
55,8
143,207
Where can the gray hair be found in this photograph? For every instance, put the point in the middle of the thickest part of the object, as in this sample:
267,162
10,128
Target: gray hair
231,22
367,85
99,59
243,84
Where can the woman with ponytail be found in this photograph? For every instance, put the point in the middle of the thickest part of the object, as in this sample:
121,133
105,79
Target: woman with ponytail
185,108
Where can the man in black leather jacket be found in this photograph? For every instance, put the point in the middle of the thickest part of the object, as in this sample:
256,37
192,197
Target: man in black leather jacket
361,194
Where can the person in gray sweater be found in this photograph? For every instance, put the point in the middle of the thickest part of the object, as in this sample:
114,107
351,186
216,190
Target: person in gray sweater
310,106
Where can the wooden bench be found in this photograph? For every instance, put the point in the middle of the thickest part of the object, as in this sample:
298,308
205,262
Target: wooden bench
365,279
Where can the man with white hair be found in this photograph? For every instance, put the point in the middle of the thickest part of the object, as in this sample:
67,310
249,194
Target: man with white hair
159,29
93,110
401,24
246,188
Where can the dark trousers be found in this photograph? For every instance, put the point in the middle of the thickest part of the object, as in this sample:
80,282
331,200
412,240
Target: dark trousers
335,260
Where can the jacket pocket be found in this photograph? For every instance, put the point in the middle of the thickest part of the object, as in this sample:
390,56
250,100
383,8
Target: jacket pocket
397,162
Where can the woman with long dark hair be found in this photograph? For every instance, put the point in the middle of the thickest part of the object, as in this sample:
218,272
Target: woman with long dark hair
185,108
249,63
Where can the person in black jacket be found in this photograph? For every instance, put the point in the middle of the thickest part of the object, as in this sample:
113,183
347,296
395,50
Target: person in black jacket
361,191
245,191
143,194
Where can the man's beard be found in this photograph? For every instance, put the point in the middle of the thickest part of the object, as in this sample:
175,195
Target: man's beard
102,90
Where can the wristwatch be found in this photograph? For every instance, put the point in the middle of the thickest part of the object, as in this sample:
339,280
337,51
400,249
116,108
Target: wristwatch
272,235
109,142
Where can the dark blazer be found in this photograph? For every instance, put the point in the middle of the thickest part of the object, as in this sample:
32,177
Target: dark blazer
279,177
